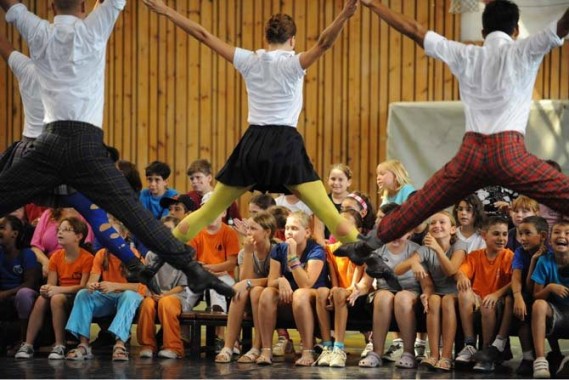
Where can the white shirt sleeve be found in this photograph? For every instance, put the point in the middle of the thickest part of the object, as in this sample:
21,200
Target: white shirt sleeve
102,20
539,44
241,60
33,28
450,52
20,65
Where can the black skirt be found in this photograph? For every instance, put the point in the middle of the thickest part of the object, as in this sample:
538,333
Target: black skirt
268,158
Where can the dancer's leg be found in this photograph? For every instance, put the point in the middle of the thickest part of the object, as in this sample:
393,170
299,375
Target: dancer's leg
315,197
102,228
221,199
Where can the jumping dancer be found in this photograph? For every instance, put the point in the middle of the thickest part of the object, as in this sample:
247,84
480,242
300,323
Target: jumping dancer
496,84
69,57
271,155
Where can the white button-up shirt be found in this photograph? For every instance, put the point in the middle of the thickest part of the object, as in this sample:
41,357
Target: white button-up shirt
25,72
274,81
69,56
497,79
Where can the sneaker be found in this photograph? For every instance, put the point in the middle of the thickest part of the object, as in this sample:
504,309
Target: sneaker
484,367
465,355
168,354
541,369
489,354
338,358
219,344
368,348
26,351
146,353
318,348
57,352
283,347
525,368
324,358
394,352
420,350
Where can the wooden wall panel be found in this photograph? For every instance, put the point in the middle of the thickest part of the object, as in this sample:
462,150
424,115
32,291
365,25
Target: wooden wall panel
170,98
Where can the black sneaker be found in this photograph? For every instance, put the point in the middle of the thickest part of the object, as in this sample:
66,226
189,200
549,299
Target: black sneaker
138,272
485,367
554,358
525,368
489,354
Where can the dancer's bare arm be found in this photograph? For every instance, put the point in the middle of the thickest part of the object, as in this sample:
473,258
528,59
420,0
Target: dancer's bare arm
6,48
404,24
563,25
7,4
329,35
193,29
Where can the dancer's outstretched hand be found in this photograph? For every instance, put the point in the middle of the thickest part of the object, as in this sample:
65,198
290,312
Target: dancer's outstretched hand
350,8
157,6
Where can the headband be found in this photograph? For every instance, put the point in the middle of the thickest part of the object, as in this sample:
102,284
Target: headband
360,200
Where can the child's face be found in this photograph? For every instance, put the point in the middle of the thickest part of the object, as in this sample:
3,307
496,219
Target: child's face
256,232
465,214
379,217
156,184
201,182
496,237
385,179
178,210
7,234
520,213
338,182
254,209
529,237
440,226
560,239
295,230
66,235
351,204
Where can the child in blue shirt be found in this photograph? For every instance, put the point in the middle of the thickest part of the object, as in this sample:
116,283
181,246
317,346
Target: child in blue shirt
551,291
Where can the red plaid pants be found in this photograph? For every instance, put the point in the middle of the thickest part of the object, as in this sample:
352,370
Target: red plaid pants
482,160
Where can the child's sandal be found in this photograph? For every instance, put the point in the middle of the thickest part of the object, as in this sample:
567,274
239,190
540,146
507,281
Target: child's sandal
224,356
120,354
306,359
250,356
429,363
444,364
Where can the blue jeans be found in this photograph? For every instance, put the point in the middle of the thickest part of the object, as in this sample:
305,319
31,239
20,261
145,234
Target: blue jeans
88,305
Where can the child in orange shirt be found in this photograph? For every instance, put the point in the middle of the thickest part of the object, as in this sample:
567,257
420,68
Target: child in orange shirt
108,293
69,270
217,247
483,280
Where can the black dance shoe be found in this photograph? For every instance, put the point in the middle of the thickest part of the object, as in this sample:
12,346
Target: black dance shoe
377,268
199,280
360,250
138,272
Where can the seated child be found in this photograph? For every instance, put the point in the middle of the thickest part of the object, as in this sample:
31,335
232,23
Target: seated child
19,274
551,302
438,264
68,273
483,282
168,306
108,293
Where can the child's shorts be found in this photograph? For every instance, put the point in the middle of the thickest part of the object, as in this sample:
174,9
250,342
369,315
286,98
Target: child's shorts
558,324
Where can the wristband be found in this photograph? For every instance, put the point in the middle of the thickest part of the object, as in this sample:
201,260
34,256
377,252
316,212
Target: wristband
292,258
294,266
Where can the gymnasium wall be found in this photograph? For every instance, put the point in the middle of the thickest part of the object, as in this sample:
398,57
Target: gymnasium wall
171,99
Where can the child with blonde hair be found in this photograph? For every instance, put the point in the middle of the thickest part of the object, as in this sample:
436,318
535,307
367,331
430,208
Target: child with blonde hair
393,182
